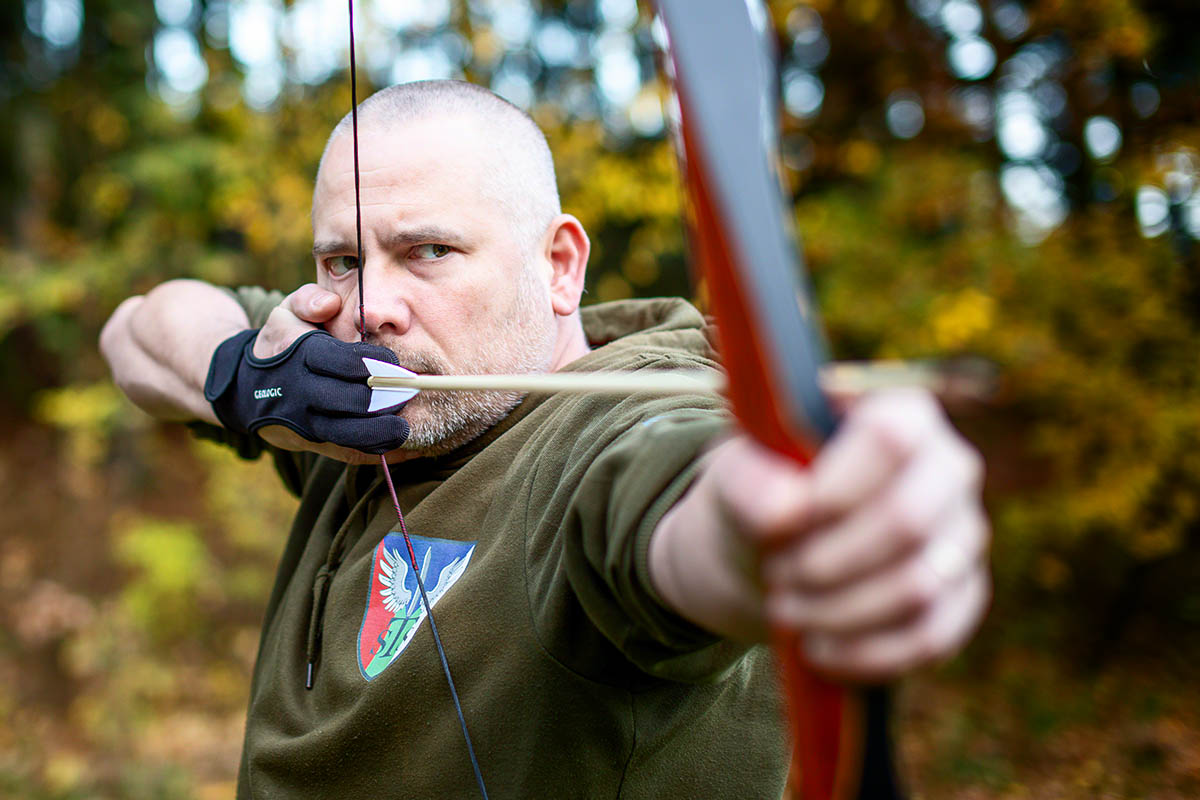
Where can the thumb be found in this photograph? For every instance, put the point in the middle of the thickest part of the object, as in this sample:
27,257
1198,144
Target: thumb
313,304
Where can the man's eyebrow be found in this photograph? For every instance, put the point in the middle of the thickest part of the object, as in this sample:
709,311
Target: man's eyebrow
424,234
327,247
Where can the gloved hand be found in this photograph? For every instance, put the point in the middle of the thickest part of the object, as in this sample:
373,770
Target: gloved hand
317,388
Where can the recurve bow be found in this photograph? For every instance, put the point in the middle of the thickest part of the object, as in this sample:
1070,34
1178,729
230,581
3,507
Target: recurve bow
721,62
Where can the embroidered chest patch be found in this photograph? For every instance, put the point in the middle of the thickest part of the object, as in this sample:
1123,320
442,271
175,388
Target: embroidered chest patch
394,608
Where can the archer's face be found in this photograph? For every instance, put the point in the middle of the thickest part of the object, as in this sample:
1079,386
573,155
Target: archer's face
446,282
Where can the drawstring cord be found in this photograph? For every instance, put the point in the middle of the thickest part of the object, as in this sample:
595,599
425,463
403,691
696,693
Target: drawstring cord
322,580
320,591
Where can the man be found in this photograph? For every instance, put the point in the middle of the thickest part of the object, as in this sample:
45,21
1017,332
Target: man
599,566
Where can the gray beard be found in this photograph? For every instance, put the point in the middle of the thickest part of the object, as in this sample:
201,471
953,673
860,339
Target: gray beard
523,342
456,418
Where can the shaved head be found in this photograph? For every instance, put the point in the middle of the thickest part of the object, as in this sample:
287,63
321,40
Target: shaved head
518,168
468,265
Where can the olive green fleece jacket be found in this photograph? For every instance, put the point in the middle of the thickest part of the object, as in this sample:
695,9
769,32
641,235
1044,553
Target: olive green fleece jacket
575,681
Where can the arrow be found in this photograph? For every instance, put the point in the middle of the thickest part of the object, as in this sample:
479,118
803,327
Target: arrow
401,384
392,385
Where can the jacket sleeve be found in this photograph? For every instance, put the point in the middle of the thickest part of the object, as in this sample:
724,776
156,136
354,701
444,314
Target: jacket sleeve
626,484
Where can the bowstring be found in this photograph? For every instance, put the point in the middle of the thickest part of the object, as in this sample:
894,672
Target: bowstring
362,313
387,473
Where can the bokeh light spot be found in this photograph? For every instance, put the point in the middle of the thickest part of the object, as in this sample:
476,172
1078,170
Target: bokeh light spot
421,64
1145,99
905,115
971,58
1021,136
174,12
618,74
1010,19
557,44
402,16
962,18
1153,211
803,93
618,13
1102,137
58,22
178,59
253,32
514,86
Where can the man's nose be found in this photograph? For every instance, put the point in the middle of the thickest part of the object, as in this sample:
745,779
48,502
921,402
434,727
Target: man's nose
385,300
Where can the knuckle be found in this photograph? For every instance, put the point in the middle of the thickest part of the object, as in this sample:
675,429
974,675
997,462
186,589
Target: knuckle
980,533
924,648
880,422
790,613
968,463
921,587
304,290
773,514
899,420
907,520
778,523
976,468
819,571
923,406
934,642
778,570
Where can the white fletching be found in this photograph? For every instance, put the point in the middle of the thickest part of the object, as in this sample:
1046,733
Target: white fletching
387,396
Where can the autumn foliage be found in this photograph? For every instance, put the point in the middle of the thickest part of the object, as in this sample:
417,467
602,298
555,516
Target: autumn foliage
944,214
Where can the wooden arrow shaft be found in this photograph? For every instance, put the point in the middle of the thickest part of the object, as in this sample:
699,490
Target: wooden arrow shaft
658,382
838,378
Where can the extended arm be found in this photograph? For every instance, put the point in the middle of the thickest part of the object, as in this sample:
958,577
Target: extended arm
876,555
159,346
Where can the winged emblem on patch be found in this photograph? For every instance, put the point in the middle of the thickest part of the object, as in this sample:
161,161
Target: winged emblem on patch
394,611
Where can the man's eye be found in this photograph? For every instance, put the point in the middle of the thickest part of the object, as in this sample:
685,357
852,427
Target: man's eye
431,251
341,265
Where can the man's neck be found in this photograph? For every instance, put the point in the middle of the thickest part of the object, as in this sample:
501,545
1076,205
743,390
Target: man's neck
571,342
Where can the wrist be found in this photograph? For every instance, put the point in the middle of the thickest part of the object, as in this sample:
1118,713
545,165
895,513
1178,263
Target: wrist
221,381
703,572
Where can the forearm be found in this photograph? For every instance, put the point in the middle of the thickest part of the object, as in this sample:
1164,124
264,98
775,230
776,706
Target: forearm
159,346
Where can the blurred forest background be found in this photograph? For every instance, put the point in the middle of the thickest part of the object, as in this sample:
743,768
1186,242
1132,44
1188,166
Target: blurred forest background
1012,179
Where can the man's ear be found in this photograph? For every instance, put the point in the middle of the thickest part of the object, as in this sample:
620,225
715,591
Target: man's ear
566,249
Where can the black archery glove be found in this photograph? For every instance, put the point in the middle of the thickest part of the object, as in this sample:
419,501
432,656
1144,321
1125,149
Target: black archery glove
317,388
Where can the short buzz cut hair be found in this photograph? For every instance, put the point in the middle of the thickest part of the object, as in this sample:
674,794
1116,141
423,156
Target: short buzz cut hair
520,167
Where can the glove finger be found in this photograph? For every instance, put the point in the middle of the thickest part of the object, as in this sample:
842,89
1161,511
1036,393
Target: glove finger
368,434
336,396
325,355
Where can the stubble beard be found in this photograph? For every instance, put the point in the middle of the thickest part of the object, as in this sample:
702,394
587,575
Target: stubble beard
522,342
